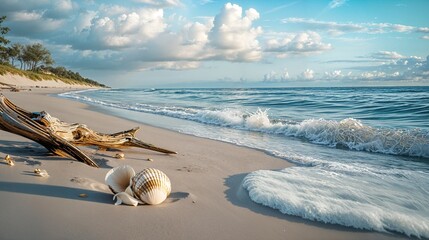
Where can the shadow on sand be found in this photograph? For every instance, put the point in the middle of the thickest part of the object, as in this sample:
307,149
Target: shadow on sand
37,152
56,191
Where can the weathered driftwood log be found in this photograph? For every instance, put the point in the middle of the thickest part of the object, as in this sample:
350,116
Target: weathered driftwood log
61,137
80,134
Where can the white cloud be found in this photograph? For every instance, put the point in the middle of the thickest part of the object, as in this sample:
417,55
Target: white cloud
373,75
204,2
336,28
301,43
83,21
23,16
334,74
394,67
308,74
423,30
121,31
277,77
386,55
143,39
233,35
160,3
170,65
33,22
426,37
60,9
336,3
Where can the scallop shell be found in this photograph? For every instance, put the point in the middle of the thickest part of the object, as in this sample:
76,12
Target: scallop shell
151,186
118,178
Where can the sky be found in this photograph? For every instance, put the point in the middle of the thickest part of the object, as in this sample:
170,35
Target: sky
203,43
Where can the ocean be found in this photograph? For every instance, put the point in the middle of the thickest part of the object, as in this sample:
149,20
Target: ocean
361,155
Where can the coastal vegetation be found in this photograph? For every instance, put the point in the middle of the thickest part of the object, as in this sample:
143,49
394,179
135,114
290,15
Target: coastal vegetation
35,62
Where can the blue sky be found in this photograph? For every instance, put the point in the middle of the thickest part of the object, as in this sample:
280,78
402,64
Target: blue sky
150,43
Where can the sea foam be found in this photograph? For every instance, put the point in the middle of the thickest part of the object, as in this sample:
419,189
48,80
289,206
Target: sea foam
349,195
348,133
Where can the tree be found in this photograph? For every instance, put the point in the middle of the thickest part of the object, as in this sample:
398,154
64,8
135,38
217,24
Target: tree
14,52
3,40
35,55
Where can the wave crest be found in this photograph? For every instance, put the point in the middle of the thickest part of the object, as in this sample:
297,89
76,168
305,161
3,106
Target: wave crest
352,134
348,133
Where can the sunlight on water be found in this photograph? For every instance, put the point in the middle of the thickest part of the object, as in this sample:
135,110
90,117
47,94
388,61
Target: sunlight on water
361,155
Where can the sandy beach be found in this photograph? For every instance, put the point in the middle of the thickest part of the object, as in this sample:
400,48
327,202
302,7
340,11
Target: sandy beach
207,200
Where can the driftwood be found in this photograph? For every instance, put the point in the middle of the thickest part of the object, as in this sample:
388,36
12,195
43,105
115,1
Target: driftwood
60,137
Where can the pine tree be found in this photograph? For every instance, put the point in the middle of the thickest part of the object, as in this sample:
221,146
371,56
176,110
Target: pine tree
3,41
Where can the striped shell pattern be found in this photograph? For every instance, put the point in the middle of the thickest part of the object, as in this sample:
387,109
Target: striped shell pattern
151,186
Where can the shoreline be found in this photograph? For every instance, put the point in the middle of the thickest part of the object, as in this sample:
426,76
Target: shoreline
207,200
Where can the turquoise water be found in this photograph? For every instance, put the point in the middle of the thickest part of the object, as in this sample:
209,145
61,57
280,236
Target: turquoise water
361,154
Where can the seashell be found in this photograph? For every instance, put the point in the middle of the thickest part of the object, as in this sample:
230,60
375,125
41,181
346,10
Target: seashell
9,160
118,178
41,172
120,156
151,186
125,198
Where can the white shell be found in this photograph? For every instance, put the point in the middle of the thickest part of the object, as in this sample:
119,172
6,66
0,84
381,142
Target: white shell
41,172
151,186
118,178
125,198
120,156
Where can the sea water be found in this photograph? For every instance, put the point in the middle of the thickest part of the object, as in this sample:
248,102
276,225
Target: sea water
361,155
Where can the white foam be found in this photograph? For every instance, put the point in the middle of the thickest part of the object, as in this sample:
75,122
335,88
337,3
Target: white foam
349,195
349,133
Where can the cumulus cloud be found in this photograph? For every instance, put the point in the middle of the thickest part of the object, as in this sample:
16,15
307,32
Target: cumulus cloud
24,23
334,74
300,43
60,9
392,66
336,3
33,18
142,38
120,31
336,28
403,68
426,37
277,77
308,74
234,35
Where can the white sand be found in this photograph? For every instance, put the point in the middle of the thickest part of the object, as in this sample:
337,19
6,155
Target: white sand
207,201
23,82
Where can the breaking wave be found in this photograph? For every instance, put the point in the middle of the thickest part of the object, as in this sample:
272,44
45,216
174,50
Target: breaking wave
348,133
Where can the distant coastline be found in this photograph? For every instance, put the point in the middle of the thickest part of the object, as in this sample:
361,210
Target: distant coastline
16,79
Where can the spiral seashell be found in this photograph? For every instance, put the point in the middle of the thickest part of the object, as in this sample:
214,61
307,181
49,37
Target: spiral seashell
151,186
118,178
